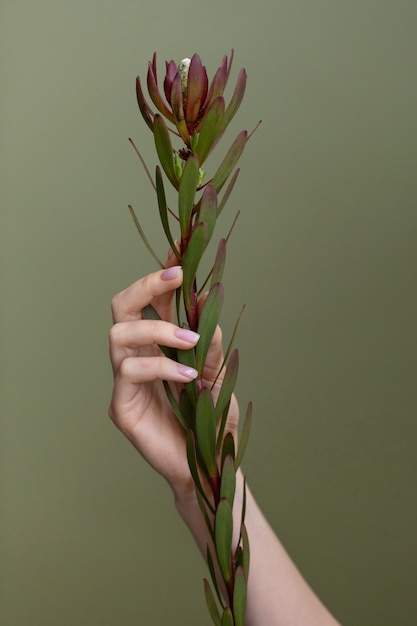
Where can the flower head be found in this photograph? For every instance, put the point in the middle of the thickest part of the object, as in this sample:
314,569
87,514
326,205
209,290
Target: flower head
192,104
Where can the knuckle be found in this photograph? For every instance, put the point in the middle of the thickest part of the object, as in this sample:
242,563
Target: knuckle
114,334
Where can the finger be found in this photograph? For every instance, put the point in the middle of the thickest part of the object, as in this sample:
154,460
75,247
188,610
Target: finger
126,338
156,288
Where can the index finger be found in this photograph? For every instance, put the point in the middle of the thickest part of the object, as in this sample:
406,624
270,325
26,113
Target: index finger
156,289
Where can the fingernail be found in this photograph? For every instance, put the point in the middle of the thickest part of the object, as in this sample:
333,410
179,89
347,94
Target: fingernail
171,272
188,372
187,335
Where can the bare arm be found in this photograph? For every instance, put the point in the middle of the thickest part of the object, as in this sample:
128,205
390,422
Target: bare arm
277,593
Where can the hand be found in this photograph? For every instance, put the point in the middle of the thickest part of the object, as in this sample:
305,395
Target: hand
139,406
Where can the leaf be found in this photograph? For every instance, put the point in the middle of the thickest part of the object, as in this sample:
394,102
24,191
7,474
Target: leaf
143,237
230,160
236,99
228,447
186,193
223,532
187,357
228,479
227,618
149,313
197,85
244,437
204,513
245,550
192,463
174,404
230,344
154,91
186,409
228,384
239,597
143,105
164,149
178,108
212,571
208,210
219,263
206,431
211,603
207,324
211,128
191,260
163,210
228,191
222,427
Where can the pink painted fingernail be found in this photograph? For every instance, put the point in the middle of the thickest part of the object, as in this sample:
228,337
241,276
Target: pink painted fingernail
171,272
187,372
187,335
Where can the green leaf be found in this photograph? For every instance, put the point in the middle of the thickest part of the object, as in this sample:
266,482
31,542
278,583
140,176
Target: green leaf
236,99
228,384
223,532
191,260
228,447
204,513
219,263
164,149
192,463
211,128
149,313
227,618
186,193
222,427
186,409
210,563
206,431
230,160
187,357
208,210
207,324
245,550
143,236
239,597
163,210
228,191
231,342
244,437
174,404
211,604
228,480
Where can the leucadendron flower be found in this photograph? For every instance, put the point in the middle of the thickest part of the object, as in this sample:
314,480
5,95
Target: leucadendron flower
192,104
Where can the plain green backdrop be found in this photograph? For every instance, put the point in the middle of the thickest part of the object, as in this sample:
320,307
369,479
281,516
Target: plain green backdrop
324,256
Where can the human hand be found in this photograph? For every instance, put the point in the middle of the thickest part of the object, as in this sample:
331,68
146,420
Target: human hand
139,406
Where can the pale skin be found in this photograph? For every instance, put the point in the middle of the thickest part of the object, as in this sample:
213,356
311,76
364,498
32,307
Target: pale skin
277,593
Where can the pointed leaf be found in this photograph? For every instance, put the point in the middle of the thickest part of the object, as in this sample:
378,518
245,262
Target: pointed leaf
197,85
208,210
237,98
211,604
186,409
219,263
146,112
149,313
205,515
177,104
245,551
244,437
192,463
143,236
223,532
218,84
228,447
239,597
228,480
211,128
206,431
220,434
163,210
228,384
154,92
228,191
227,618
207,324
186,193
174,404
191,260
187,357
164,149
230,160
210,563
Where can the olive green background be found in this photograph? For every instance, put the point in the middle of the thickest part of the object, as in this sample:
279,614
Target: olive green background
324,256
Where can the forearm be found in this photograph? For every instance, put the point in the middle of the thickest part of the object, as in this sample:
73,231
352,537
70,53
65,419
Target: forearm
277,593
